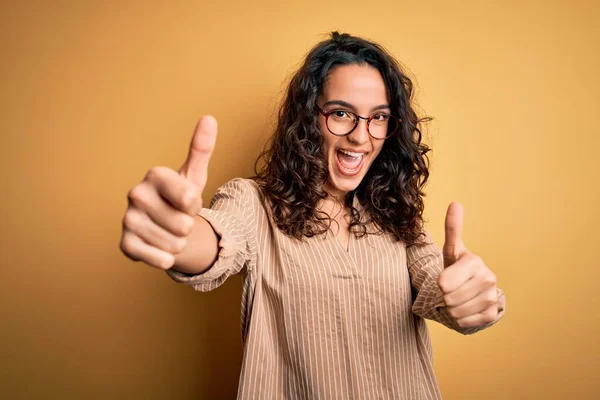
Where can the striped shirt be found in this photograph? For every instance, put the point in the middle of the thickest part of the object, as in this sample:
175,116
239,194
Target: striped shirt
320,321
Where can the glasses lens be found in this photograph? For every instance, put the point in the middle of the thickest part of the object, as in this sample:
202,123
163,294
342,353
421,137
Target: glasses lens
383,126
341,122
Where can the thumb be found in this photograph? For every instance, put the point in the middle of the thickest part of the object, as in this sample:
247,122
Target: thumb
453,244
195,168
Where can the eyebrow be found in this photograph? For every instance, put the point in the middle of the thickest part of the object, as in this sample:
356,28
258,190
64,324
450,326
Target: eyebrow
350,106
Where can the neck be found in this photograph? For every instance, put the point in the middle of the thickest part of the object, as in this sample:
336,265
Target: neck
333,205
334,194
333,209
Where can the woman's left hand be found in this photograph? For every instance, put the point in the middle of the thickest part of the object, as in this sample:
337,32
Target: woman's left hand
469,287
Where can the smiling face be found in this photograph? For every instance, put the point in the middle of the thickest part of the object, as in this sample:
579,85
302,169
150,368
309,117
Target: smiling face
359,89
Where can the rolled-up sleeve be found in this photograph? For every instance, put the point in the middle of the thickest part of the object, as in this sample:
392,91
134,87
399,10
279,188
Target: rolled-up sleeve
425,263
233,216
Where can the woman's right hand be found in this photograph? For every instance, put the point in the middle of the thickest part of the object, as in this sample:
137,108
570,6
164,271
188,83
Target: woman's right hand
161,210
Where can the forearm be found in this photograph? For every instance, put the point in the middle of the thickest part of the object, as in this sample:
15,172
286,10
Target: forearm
201,250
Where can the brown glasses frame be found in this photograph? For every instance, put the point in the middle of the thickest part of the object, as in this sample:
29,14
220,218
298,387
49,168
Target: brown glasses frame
326,114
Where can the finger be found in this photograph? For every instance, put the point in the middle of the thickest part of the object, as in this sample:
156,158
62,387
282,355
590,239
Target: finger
146,198
142,226
453,228
136,249
470,289
202,145
478,304
454,224
180,193
459,273
487,316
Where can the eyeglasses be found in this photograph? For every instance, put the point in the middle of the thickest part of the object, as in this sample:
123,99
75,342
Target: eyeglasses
342,123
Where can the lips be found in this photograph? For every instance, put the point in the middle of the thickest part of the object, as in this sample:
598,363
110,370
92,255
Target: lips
349,163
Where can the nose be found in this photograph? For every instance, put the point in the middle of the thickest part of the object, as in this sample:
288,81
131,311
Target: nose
360,134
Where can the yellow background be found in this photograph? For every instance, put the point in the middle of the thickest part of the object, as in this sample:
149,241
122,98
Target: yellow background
95,93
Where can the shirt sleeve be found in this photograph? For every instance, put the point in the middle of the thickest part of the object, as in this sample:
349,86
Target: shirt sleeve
233,216
425,263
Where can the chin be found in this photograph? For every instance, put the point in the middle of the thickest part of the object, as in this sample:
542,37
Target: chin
344,185
345,181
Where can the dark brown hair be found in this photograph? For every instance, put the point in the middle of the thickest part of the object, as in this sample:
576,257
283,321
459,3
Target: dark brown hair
295,170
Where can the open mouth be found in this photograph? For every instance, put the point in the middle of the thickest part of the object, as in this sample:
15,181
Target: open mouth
349,162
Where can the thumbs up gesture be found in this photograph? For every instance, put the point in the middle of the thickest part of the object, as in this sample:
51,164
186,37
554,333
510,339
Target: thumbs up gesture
161,209
467,284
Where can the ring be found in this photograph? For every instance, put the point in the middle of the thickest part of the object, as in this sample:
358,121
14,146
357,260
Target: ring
500,294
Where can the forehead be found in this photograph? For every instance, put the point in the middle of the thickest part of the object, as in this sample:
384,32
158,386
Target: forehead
359,85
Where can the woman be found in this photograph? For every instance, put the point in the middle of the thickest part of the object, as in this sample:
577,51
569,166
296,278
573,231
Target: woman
339,273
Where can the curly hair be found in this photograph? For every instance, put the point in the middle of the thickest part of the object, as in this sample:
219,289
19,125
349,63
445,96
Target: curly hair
295,171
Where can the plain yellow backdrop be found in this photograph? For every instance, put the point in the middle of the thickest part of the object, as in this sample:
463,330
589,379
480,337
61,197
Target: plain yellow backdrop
95,93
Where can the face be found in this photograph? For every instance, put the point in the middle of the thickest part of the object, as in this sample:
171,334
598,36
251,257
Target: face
359,89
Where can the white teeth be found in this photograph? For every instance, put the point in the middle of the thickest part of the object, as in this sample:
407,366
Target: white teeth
352,154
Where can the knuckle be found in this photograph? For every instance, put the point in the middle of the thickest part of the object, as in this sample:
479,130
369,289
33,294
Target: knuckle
136,195
471,257
130,220
126,246
490,278
179,246
168,264
172,246
489,315
463,324
154,173
447,299
453,312
476,261
442,282
164,262
189,197
478,264
185,227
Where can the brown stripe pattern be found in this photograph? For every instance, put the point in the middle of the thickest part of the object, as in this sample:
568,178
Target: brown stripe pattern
320,322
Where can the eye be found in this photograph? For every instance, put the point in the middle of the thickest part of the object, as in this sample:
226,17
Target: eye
341,114
381,117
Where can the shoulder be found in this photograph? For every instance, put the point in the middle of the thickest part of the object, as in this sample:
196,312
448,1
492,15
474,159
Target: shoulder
242,185
243,190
